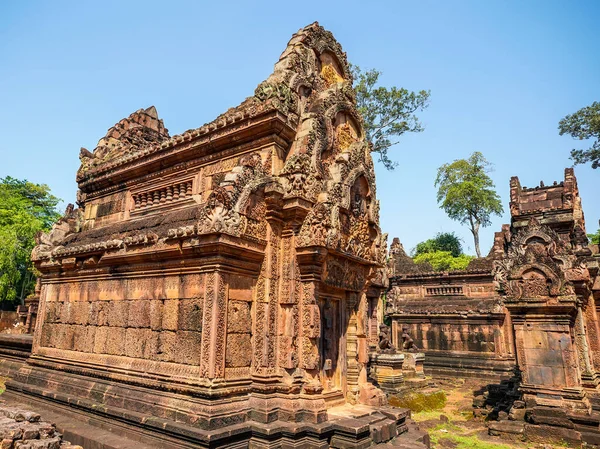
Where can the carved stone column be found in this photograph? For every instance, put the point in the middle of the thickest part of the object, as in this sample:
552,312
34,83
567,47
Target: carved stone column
214,326
592,328
583,350
353,369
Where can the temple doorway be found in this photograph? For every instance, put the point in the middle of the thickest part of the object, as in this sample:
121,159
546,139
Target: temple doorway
332,362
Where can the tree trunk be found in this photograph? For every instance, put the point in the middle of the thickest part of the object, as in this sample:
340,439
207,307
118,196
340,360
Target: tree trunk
23,286
475,231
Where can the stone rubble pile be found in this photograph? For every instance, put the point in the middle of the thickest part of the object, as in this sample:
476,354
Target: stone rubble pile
23,429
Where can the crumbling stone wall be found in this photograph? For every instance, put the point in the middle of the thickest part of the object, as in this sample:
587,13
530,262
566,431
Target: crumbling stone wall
24,429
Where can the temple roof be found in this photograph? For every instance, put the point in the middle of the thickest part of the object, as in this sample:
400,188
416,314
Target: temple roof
142,134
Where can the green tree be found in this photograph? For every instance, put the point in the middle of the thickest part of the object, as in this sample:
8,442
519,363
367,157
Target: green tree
443,241
25,209
387,113
466,193
595,238
444,260
582,125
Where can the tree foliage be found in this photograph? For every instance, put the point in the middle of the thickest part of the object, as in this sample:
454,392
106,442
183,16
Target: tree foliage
387,113
582,125
444,260
25,209
443,241
595,238
466,193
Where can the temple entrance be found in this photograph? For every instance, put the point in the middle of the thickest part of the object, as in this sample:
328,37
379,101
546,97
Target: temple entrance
332,362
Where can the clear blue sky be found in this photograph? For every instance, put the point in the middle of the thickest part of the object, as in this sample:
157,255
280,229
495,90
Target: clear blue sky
501,75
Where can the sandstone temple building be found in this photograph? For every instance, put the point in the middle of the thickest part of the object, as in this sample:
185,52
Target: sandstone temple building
228,287
527,313
217,288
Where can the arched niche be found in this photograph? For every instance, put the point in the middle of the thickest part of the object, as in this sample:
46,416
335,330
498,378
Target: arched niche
360,197
537,237
357,180
331,71
537,280
346,131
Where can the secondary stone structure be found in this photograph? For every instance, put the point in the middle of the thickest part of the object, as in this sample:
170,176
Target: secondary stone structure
219,288
527,315
547,281
457,318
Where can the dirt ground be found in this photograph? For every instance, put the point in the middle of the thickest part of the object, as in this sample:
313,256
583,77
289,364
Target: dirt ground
446,412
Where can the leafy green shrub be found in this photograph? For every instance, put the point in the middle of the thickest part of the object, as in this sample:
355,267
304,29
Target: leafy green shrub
444,261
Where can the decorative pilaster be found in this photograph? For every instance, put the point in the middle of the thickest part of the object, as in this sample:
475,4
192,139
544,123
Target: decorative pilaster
214,326
353,368
583,350
267,293
592,328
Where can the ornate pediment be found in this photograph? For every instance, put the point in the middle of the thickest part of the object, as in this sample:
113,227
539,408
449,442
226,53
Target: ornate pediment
538,266
141,130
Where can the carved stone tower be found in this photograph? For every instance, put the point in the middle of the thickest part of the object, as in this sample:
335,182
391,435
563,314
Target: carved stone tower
222,276
546,286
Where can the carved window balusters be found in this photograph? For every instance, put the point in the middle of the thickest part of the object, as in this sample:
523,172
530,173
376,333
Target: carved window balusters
164,195
444,290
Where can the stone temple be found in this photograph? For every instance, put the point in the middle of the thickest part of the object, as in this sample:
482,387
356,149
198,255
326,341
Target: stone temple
525,316
219,288
225,288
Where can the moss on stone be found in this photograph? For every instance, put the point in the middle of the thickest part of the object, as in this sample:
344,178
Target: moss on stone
419,402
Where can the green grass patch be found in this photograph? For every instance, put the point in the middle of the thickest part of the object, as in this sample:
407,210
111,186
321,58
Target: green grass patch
454,434
431,415
420,402
426,415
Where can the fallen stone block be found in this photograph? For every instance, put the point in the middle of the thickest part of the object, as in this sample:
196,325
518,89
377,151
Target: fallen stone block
545,434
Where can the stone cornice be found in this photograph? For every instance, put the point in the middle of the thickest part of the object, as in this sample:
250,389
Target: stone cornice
209,252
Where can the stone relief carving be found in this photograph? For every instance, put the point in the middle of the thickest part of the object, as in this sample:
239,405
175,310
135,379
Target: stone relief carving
385,340
221,211
279,93
538,264
48,242
301,181
140,130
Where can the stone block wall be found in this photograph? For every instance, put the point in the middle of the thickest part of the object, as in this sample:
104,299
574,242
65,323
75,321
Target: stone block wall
158,319
456,318
450,334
